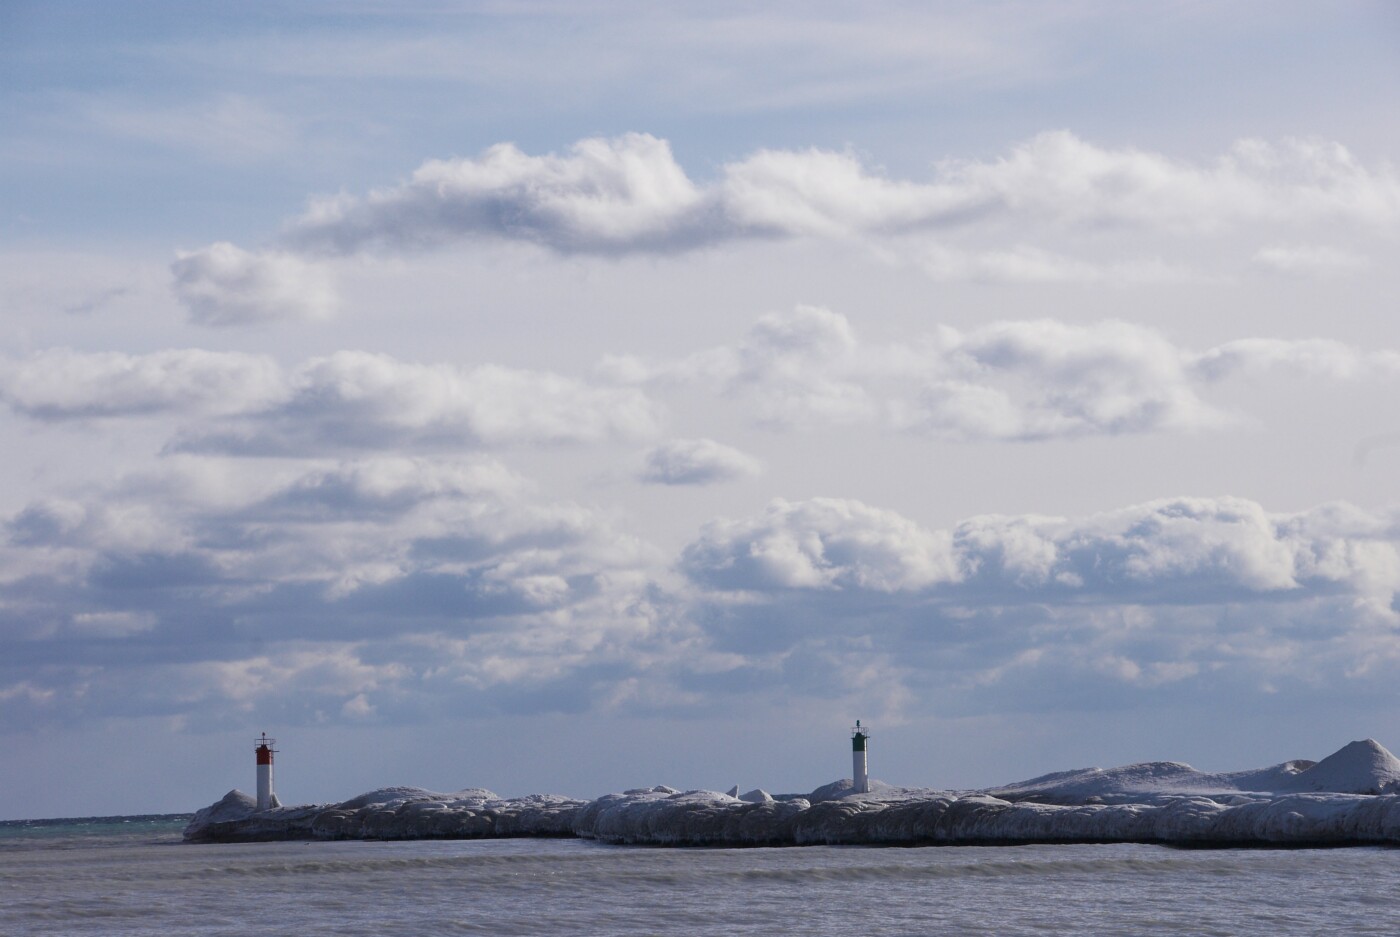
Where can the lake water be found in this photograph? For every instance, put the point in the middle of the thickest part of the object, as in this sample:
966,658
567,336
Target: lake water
133,876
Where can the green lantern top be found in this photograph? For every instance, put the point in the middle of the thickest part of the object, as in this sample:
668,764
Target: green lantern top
858,736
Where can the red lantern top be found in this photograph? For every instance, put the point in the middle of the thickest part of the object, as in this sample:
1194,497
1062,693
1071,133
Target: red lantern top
265,749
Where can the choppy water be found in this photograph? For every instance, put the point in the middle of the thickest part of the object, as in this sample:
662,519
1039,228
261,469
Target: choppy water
134,877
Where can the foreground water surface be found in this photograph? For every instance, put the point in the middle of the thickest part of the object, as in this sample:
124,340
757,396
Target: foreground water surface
133,876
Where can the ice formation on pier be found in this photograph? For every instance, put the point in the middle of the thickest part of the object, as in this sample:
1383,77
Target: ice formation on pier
1350,797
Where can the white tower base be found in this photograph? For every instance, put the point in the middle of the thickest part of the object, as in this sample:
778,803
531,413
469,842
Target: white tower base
265,787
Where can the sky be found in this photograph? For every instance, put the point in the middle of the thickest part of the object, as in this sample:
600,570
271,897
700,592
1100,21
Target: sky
569,397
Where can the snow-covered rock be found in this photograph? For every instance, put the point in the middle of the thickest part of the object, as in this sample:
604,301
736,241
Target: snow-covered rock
388,813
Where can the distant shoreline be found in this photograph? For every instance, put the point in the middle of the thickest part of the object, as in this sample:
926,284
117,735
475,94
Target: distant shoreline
118,818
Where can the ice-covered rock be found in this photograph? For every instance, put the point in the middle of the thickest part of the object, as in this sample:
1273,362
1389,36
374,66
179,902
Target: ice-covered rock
1363,767
1275,778
389,813
693,818
387,796
756,796
1359,768
842,788
235,805
1077,787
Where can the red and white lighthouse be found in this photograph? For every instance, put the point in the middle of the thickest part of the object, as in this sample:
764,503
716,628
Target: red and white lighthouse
266,799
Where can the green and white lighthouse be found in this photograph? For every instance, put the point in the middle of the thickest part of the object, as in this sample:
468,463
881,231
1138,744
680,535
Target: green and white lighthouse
860,768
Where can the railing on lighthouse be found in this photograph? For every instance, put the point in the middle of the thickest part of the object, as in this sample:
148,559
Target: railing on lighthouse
265,751
860,768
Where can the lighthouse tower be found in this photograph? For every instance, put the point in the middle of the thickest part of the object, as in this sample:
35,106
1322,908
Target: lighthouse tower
860,769
266,799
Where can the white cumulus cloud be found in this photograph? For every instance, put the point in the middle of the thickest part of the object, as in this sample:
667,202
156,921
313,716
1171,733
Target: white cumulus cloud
604,196
697,462
358,400
1019,380
629,195
60,383
824,543
1210,596
346,400
1172,551
225,285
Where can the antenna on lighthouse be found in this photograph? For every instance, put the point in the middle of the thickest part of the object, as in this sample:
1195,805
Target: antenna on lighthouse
265,750
860,769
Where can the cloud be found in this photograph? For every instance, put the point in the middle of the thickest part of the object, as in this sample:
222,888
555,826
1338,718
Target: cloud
806,368
819,193
401,589
1044,379
1056,175
358,400
604,196
344,401
224,285
46,521
794,368
59,384
790,365
825,543
93,302
1025,264
628,195
113,624
387,486
1310,260
1174,551
1311,358
697,462
407,581
1023,380
1170,603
